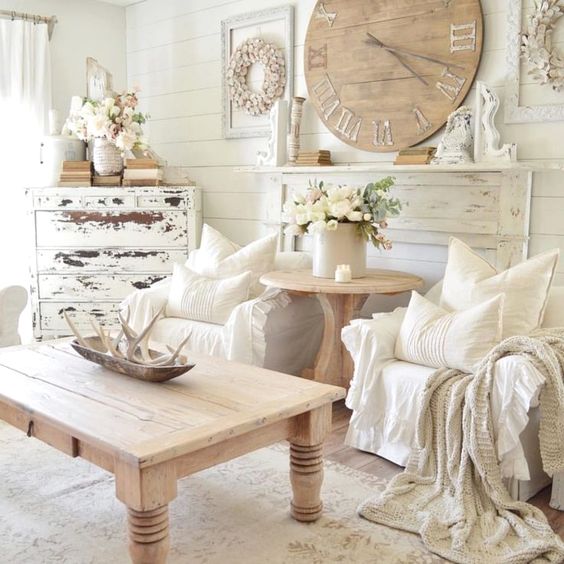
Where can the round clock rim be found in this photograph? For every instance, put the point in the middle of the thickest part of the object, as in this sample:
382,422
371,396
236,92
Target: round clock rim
391,149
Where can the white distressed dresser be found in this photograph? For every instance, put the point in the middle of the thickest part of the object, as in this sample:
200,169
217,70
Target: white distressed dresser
93,246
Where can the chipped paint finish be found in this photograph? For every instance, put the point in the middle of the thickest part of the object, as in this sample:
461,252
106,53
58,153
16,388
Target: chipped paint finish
112,228
50,315
94,287
97,260
94,246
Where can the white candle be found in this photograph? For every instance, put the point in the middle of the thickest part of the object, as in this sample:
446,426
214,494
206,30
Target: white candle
343,273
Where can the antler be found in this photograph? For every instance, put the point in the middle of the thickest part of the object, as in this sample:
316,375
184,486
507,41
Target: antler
138,340
136,347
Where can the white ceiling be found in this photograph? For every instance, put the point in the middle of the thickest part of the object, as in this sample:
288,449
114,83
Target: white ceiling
123,3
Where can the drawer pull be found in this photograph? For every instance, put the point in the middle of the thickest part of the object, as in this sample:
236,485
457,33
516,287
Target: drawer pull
30,428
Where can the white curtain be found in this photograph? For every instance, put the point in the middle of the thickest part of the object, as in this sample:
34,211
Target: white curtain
25,98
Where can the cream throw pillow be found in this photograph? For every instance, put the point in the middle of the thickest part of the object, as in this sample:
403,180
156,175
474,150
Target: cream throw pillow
219,257
431,336
196,297
470,280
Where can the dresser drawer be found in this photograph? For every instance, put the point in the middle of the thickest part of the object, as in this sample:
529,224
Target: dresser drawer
94,287
174,201
111,228
104,202
104,260
51,315
59,201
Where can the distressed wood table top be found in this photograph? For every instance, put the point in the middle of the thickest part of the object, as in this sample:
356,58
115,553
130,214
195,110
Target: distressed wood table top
376,281
150,435
142,422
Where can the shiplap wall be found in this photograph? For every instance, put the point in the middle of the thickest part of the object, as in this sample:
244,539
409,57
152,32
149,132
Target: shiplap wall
173,54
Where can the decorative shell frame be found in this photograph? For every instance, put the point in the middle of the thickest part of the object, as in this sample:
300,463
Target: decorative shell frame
251,51
546,64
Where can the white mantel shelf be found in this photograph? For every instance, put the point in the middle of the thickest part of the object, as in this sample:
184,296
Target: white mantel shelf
390,167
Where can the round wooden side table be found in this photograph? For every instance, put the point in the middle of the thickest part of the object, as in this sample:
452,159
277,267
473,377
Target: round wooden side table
340,303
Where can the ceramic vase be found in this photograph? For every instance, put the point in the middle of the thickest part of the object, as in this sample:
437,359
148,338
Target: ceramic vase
342,246
295,125
106,157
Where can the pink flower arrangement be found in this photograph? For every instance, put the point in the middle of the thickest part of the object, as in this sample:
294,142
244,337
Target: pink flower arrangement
114,118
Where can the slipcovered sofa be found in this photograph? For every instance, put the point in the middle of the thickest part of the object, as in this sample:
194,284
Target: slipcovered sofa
276,330
385,391
13,300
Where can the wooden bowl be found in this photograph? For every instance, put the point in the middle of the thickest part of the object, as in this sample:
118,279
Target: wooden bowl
94,353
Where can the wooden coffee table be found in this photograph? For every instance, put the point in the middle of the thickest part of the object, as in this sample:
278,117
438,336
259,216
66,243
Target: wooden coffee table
151,435
340,303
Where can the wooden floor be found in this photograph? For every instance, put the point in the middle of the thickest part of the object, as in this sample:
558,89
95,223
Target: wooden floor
336,450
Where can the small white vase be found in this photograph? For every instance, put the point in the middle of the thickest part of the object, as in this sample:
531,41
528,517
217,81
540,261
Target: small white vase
342,246
106,157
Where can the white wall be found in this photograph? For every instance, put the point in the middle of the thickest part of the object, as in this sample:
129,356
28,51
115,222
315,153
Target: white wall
173,53
85,28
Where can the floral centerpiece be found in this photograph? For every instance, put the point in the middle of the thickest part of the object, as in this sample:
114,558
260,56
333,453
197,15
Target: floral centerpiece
113,123
359,213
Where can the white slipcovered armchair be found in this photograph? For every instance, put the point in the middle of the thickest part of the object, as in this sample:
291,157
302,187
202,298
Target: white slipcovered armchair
384,396
13,300
275,330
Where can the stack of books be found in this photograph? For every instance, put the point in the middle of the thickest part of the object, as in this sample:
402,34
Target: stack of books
142,172
314,158
75,173
415,155
112,180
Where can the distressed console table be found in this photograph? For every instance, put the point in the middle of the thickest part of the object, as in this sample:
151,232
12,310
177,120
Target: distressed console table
485,204
94,246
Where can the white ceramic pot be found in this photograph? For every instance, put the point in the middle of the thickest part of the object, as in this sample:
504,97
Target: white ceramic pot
343,246
106,157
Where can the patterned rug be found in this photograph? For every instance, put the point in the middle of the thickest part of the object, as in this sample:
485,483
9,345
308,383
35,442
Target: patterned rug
54,509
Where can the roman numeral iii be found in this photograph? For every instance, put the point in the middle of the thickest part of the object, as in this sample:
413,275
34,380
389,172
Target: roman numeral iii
463,37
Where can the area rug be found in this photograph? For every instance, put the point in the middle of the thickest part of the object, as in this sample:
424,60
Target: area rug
54,509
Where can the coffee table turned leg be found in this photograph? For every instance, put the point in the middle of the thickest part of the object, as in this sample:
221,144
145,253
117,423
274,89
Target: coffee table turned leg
148,535
306,463
306,475
146,492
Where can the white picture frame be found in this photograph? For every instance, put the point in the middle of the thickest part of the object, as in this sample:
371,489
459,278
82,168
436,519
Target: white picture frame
515,110
274,25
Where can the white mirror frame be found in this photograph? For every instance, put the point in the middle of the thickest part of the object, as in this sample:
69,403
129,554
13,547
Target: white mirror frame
515,113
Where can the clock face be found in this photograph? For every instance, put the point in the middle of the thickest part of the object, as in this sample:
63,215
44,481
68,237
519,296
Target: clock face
386,74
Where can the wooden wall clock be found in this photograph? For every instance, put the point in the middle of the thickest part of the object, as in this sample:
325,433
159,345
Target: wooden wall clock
385,74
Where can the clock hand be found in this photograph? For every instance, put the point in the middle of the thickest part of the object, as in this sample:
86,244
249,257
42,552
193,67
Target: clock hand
401,61
412,54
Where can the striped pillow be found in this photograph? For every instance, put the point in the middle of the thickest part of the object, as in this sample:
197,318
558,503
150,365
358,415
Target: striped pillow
196,297
431,336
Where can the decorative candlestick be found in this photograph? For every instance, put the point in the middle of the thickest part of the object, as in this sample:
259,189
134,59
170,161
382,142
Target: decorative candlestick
295,124
343,273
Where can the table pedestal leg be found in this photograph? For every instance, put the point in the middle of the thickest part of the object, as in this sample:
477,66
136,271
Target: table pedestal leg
333,364
148,535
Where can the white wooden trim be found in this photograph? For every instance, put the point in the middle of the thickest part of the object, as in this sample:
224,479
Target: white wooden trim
390,168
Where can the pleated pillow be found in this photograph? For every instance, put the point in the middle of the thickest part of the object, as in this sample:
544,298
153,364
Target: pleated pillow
431,336
199,298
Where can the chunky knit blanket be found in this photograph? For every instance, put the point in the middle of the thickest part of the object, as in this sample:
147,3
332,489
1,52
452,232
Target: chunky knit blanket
451,492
